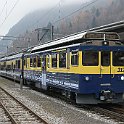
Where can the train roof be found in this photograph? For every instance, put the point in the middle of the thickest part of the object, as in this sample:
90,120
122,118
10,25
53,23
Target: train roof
74,38
19,55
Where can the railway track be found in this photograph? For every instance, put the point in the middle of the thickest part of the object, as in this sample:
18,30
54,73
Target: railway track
112,113
4,118
116,108
16,112
115,112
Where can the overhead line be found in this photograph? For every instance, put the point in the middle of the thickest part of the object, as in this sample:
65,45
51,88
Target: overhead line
3,8
9,13
81,8
76,11
12,37
46,13
6,39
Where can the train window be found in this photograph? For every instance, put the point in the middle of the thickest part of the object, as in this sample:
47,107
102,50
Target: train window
62,59
38,61
105,58
18,64
74,58
48,61
12,65
43,62
25,62
118,58
31,62
34,62
54,60
8,67
4,64
90,58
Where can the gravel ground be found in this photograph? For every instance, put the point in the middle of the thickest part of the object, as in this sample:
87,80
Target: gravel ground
52,110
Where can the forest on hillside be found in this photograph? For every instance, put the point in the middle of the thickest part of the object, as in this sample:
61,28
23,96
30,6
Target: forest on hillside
96,15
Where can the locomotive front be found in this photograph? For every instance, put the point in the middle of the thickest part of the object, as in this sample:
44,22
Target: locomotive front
101,77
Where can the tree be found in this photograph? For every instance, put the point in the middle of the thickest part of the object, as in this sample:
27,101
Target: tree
94,22
97,13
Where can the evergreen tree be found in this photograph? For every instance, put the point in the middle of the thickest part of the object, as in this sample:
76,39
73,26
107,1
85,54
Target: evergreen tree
97,13
94,22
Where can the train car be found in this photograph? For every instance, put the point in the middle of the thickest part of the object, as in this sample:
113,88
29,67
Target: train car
11,66
87,67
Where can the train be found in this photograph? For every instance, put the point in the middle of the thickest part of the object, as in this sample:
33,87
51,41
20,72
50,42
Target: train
87,67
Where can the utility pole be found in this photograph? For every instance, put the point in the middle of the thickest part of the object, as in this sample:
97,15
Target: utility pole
52,29
47,29
7,51
29,40
38,34
22,73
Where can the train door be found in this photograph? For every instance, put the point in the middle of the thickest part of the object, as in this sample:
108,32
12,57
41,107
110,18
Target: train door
118,63
105,70
118,70
44,72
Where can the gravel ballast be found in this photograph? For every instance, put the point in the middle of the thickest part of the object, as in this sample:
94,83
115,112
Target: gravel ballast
54,111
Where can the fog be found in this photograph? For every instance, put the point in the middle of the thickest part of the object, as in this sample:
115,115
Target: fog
11,11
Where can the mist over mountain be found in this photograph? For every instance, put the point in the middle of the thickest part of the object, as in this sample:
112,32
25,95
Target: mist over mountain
42,17
97,14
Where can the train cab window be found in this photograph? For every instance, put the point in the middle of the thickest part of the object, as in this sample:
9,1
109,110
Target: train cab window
105,58
62,59
38,61
74,58
90,58
118,58
54,60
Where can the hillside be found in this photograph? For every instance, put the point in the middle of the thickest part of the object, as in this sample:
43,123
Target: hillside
99,13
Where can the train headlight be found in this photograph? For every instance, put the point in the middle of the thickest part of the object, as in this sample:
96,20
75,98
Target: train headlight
87,78
105,43
122,78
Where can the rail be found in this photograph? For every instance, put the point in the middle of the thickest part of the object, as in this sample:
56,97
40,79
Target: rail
17,111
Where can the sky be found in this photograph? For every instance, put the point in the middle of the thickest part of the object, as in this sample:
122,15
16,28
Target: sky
11,11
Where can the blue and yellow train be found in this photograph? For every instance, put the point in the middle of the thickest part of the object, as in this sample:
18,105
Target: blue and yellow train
87,67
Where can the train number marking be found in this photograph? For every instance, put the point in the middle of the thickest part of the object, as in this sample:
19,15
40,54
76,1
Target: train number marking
120,70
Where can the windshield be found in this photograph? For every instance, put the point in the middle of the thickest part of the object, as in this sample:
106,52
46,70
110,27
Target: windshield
118,58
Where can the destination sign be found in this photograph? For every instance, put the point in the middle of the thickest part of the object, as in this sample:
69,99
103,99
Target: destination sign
106,36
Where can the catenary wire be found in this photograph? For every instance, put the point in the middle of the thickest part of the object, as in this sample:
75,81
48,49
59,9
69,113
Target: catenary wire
76,11
47,13
3,8
9,13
